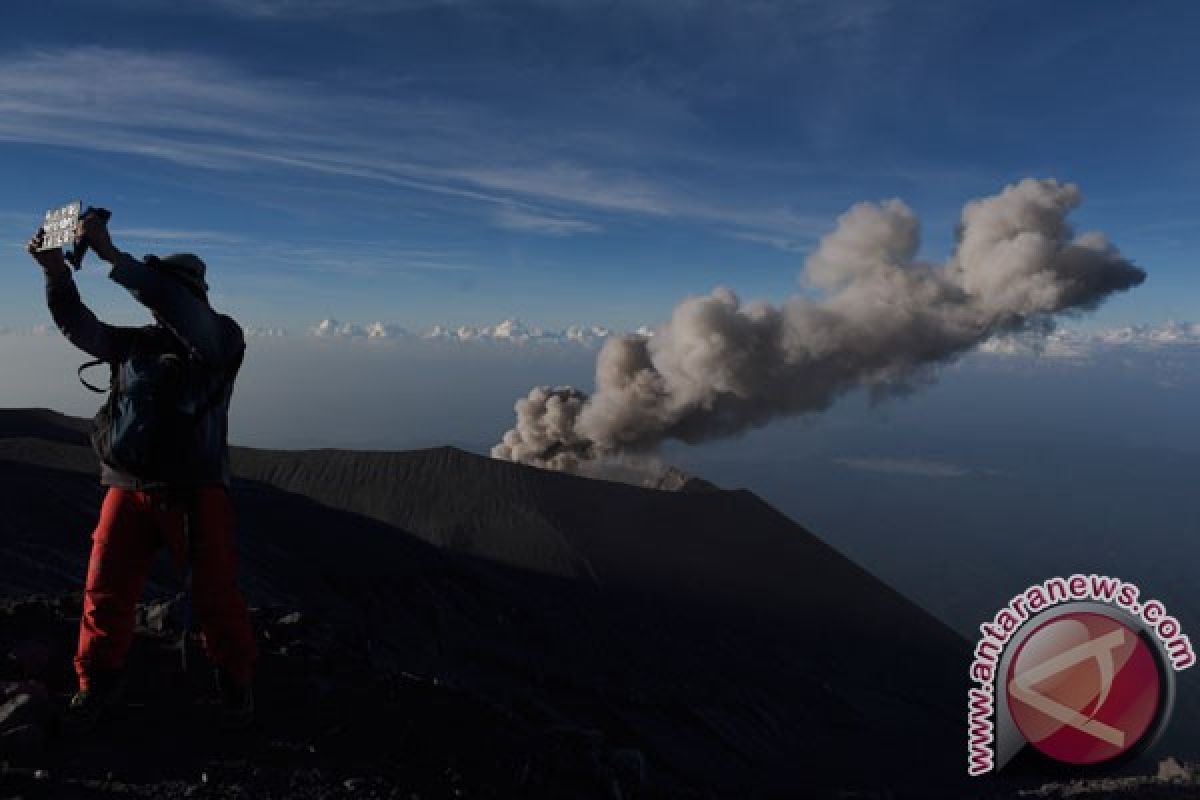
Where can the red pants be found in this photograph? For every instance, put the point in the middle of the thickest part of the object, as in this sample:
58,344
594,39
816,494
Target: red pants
133,526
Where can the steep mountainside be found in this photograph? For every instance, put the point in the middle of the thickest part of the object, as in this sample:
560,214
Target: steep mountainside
727,646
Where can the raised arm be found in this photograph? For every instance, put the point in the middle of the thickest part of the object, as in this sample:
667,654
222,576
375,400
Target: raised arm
71,316
188,316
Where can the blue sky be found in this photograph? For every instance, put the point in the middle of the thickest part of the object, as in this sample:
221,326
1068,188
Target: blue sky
434,161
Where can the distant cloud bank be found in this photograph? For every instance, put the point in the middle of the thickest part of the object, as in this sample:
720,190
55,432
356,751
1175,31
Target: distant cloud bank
1077,345
511,331
1065,344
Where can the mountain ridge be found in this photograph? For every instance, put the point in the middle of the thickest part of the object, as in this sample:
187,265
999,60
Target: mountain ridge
706,630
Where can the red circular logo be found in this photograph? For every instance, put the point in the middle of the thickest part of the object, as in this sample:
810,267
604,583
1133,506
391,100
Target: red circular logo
1084,688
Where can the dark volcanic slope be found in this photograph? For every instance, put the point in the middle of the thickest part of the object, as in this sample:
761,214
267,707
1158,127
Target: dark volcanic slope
730,646
718,546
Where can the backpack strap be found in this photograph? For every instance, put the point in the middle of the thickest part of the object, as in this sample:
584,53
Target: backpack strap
227,378
84,367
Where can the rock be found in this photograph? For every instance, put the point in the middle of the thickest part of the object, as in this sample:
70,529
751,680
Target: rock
630,766
24,718
22,740
1169,769
69,605
163,615
30,658
290,620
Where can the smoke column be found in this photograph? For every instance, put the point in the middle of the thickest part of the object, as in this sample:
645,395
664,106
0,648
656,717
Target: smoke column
719,368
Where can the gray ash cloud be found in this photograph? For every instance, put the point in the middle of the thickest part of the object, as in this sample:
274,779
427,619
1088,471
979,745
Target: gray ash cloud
883,322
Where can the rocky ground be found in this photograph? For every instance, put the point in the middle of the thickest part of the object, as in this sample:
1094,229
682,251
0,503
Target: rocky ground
1173,780
335,721
699,638
330,725
436,624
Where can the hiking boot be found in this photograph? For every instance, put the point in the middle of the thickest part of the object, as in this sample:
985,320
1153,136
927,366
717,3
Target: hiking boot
89,706
235,703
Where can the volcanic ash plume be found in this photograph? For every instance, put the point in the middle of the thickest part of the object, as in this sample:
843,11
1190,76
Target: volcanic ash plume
719,367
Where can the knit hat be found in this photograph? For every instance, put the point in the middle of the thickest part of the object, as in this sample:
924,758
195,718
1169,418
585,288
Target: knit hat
187,268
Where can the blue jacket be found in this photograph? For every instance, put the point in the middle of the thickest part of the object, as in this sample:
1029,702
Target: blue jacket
184,320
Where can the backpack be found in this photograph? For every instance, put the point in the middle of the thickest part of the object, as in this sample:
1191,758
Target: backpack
150,422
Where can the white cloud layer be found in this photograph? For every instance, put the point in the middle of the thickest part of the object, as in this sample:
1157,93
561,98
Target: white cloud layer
1076,345
1062,344
509,331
